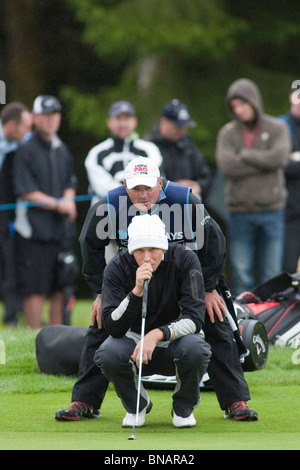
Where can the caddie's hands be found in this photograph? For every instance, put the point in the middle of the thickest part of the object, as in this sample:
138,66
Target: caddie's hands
215,305
96,312
150,341
142,273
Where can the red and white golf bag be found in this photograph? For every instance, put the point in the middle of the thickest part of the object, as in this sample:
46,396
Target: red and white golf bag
276,304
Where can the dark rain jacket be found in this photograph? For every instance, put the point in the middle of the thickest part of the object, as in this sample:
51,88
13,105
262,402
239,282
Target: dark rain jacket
182,160
175,295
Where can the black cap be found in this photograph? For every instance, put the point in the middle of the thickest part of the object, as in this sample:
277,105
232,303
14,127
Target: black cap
121,107
45,104
177,112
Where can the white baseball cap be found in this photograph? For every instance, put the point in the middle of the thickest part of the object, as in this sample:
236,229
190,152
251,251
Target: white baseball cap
147,231
141,171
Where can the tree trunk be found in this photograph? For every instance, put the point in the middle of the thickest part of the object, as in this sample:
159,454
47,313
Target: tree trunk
24,54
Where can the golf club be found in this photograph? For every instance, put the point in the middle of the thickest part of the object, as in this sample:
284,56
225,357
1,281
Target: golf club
144,312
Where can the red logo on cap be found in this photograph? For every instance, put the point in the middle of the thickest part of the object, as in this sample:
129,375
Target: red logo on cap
142,169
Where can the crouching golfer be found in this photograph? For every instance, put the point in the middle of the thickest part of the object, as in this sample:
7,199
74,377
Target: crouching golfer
175,316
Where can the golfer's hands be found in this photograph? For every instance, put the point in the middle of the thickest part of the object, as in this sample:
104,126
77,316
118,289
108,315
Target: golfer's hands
215,305
96,312
150,341
142,273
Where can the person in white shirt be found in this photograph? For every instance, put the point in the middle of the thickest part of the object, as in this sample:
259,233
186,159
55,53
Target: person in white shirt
106,162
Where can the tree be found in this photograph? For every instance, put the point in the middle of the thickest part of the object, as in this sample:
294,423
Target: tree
23,72
154,45
192,50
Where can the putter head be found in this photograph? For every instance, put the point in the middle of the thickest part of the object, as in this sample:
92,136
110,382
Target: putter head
132,437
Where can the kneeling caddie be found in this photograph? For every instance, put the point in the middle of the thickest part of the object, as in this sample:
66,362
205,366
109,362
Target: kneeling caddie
175,315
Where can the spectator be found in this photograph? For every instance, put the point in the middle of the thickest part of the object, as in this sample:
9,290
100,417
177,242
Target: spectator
175,316
252,152
45,179
292,175
146,191
106,162
15,123
182,160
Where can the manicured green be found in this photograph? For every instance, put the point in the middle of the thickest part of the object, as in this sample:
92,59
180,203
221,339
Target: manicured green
30,398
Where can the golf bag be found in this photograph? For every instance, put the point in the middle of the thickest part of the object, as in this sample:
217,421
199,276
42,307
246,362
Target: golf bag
276,304
249,334
58,349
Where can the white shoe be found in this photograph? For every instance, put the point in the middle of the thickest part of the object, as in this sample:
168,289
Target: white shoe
130,419
179,422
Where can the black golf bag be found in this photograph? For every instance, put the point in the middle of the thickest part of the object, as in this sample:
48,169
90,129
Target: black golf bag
276,304
58,349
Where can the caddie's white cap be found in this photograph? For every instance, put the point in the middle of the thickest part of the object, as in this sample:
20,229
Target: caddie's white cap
141,171
147,231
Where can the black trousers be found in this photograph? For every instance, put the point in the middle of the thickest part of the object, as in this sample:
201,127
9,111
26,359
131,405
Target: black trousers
292,245
224,369
186,357
8,278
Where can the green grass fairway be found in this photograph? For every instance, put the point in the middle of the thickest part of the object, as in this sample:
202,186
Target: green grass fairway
27,422
29,400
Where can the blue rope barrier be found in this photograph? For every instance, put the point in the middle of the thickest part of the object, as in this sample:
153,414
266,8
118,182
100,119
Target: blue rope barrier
12,205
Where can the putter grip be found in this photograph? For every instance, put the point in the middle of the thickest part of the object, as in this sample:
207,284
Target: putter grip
145,299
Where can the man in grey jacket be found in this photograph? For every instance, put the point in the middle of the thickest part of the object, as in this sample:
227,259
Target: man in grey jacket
252,152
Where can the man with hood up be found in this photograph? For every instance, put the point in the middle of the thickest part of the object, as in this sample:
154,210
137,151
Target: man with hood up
252,152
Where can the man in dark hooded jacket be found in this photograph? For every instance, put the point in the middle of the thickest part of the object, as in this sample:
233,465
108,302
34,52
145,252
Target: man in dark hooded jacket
252,152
